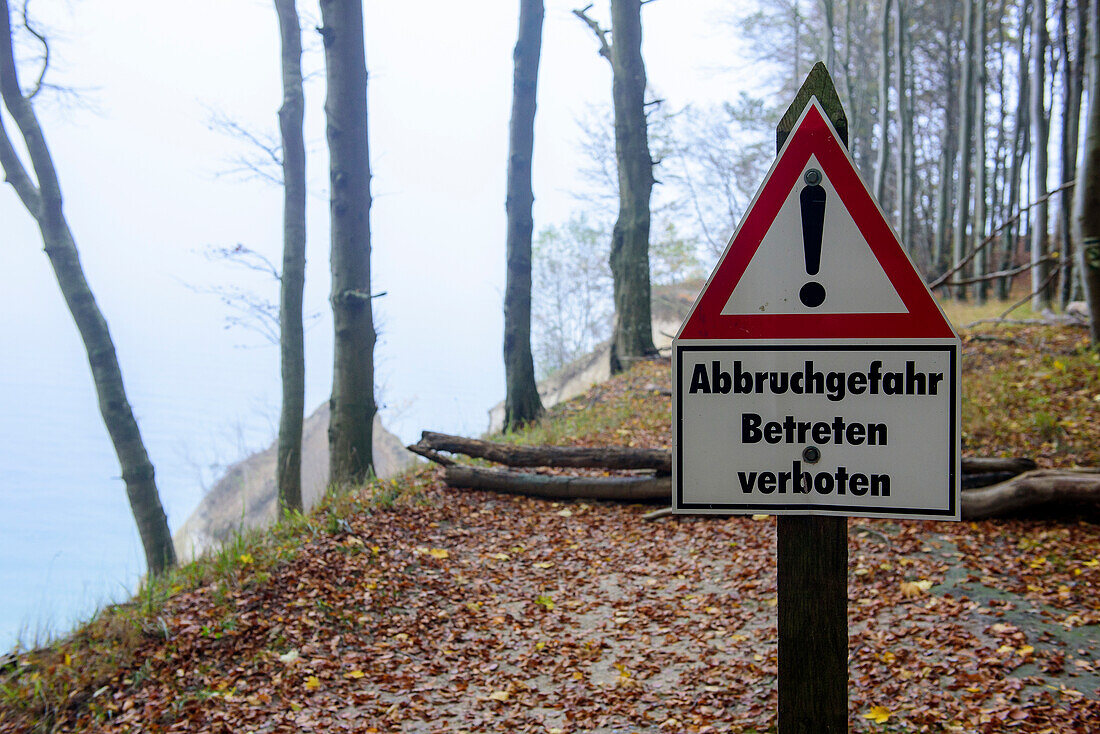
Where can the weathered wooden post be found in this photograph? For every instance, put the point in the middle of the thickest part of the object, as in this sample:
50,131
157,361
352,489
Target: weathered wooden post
812,552
815,378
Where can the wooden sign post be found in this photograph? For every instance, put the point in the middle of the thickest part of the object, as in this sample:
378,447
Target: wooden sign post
815,378
812,553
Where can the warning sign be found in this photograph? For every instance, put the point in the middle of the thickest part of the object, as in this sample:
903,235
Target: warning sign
815,373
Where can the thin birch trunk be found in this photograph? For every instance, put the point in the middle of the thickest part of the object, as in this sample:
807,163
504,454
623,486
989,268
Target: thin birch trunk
883,107
904,141
961,240
981,262
1073,65
1040,139
1088,187
998,180
1020,127
288,470
42,198
949,136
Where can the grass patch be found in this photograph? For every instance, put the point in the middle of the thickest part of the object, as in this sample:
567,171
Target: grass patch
1031,391
631,409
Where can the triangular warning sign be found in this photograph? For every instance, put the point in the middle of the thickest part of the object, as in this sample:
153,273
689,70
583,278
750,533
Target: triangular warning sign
814,257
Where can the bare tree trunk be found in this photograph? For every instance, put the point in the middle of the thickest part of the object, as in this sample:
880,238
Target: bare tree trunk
521,403
1073,65
961,240
883,107
797,79
998,179
1019,146
848,91
904,140
947,155
352,406
981,262
1041,134
1088,187
633,336
632,339
288,469
829,7
42,198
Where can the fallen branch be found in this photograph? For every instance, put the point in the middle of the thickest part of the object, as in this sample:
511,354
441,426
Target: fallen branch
623,489
1001,273
988,465
616,457
1034,489
609,457
943,279
1053,273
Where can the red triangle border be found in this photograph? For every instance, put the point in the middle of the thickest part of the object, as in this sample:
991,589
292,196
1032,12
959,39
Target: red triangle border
815,136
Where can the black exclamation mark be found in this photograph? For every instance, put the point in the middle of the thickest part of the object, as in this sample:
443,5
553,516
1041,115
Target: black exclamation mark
812,200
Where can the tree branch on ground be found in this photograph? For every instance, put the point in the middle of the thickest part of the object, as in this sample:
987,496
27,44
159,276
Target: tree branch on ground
943,279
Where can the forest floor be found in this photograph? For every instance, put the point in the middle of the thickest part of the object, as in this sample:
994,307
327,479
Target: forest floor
406,606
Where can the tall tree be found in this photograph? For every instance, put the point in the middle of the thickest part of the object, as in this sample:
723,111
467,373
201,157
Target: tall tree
883,106
942,226
829,8
521,403
288,471
999,172
905,136
1088,186
961,240
980,259
632,339
1040,124
41,195
1019,150
352,406
1073,73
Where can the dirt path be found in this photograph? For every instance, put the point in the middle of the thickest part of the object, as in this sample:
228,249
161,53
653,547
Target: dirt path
466,611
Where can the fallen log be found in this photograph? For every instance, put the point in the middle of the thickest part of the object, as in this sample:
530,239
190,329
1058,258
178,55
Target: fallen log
619,457
1039,489
1042,489
645,488
609,457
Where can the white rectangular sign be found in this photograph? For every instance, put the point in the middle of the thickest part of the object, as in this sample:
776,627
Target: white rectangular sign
837,429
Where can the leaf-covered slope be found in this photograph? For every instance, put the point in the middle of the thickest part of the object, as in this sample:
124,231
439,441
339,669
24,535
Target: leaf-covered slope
407,606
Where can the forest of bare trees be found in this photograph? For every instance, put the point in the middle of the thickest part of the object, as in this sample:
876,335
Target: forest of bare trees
965,119
966,116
